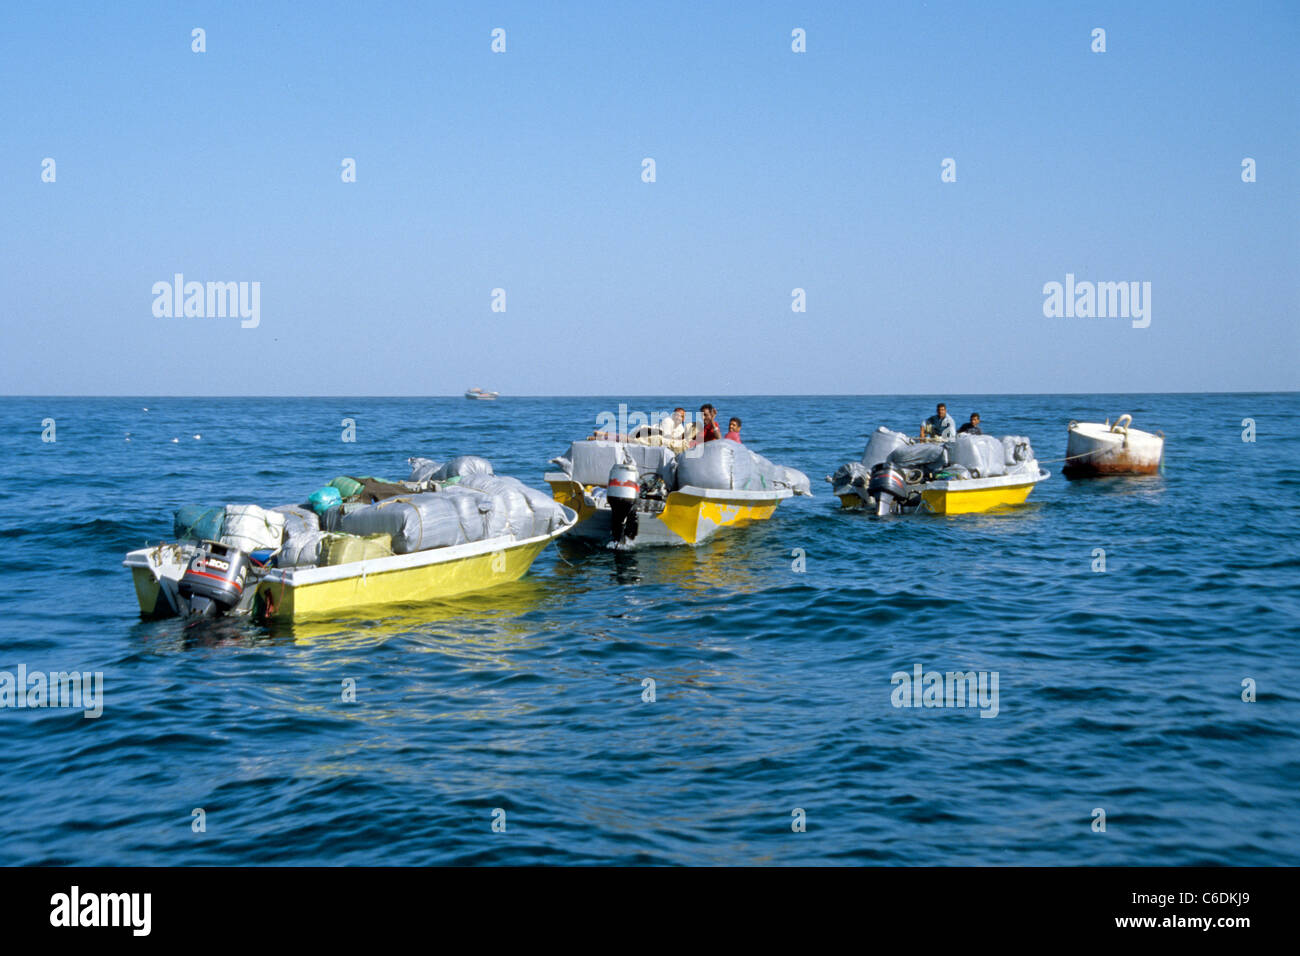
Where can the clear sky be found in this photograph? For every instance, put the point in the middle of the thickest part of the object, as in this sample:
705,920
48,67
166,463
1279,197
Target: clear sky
775,170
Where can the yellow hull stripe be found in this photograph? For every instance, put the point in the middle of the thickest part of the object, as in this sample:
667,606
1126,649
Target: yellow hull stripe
688,516
147,590
692,518
969,502
402,586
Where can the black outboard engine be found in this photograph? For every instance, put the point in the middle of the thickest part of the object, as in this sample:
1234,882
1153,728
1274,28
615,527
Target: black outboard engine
888,487
621,492
214,581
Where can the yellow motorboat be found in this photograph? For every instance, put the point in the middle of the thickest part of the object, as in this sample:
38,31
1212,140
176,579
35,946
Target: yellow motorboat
688,515
448,530
969,475
291,594
637,494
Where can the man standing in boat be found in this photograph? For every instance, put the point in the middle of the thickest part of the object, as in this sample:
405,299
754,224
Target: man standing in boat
940,425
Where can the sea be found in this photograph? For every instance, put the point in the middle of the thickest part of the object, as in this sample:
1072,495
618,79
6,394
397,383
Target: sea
776,696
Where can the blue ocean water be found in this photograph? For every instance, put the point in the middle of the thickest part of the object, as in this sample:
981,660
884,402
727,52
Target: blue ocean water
771,647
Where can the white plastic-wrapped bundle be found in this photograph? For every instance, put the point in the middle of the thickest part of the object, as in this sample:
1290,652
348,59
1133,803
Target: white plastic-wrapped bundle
250,528
1016,448
481,515
529,512
301,550
652,459
298,520
723,465
766,475
881,445
793,479
982,454
842,482
589,462
930,455
423,521
994,455
462,467
731,466
422,469
332,519
426,469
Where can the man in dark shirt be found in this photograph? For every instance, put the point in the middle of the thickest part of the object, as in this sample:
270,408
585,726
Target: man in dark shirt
972,427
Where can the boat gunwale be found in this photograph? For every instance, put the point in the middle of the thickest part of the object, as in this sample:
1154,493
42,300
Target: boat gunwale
296,577
141,555
693,491
951,485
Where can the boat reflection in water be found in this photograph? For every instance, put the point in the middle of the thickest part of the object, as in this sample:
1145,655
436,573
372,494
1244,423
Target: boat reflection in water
474,625
725,563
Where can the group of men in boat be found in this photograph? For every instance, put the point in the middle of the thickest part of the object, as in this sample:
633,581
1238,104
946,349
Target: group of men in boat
940,425
674,429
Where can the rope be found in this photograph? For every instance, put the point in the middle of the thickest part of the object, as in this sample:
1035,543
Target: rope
1053,461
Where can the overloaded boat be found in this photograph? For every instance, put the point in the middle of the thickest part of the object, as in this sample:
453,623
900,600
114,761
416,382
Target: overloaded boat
478,394
634,493
1094,449
903,475
448,529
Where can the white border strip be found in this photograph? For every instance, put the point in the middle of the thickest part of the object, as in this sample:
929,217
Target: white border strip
712,494
295,577
997,481
717,494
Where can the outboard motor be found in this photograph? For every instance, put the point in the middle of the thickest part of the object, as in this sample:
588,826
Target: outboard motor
213,582
888,487
622,491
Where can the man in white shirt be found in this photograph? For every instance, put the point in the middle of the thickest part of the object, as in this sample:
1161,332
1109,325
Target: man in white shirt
673,426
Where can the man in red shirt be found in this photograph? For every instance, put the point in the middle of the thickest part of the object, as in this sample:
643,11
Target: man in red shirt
733,431
709,430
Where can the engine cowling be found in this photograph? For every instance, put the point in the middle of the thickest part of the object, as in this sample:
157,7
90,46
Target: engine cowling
622,491
888,487
214,580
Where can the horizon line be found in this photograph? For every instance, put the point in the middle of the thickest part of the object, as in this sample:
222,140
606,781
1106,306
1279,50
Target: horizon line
719,395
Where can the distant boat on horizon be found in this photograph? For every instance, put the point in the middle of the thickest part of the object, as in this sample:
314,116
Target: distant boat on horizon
479,394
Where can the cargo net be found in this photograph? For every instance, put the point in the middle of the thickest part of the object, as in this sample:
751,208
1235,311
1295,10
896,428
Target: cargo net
966,457
354,519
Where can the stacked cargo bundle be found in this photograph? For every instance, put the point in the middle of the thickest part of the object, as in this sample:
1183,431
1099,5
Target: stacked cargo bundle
967,456
353,519
731,466
716,465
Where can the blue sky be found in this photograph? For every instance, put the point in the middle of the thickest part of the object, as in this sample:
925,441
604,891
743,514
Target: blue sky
775,171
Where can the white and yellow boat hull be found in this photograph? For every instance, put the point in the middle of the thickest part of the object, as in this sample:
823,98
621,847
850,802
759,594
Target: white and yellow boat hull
961,496
291,594
690,515
958,496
